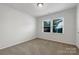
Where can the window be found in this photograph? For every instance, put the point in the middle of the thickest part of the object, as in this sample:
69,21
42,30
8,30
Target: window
55,26
46,26
58,25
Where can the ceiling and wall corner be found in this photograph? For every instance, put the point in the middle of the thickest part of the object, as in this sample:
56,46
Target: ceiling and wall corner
34,10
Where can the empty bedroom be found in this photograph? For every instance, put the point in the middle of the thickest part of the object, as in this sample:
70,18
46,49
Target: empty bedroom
39,29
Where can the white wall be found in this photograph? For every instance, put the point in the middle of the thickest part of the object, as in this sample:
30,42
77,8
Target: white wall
15,27
69,35
77,25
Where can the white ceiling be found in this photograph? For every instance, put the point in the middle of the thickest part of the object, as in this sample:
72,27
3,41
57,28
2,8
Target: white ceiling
32,9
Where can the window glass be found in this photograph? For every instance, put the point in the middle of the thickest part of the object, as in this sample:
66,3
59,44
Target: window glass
58,25
46,26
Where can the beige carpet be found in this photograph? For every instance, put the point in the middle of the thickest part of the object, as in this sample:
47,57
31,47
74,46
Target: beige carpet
40,47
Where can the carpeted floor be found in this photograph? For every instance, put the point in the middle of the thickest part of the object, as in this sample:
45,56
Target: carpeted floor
40,47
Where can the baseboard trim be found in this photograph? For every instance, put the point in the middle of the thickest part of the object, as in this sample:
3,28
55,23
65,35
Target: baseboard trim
60,43
16,44
44,39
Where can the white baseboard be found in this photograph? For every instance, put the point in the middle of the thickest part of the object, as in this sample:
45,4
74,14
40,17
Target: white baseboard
16,43
58,41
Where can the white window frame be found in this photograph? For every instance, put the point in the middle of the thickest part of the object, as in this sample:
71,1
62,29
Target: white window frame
51,25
